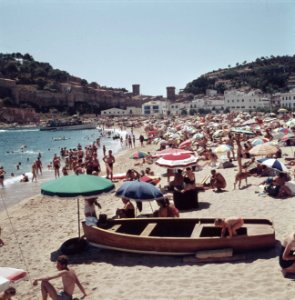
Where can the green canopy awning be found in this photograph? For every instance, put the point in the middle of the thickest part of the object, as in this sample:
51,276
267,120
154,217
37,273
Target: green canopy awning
76,185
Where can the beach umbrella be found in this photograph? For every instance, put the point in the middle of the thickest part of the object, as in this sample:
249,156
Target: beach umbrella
258,141
282,110
249,122
287,137
218,133
138,155
290,123
76,186
198,136
173,161
139,191
171,151
9,276
185,144
242,131
263,150
223,148
273,164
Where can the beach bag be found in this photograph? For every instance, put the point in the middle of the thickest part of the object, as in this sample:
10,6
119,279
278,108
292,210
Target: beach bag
272,190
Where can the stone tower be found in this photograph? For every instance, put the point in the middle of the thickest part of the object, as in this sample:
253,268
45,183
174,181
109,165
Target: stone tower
171,92
135,89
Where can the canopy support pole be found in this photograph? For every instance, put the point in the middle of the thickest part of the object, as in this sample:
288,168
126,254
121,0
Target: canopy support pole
151,206
78,208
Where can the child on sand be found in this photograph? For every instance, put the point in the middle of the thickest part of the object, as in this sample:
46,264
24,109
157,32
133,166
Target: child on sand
230,225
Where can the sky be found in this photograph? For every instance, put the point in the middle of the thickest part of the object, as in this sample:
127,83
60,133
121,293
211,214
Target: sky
152,43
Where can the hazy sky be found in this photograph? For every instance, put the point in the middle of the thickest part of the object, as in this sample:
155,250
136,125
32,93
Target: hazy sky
153,43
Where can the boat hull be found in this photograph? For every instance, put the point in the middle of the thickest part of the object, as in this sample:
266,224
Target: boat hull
70,127
175,236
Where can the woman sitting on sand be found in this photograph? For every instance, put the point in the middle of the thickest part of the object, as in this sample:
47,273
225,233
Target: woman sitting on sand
131,175
166,209
287,257
127,211
189,180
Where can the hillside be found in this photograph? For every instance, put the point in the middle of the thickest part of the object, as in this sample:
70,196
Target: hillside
25,82
268,74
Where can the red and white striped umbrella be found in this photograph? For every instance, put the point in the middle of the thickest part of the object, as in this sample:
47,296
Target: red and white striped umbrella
173,161
9,276
185,144
169,151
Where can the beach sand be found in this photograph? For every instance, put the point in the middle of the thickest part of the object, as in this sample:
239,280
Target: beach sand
34,229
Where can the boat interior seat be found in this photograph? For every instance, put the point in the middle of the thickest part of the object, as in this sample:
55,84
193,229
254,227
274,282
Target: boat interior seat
148,229
115,227
197,230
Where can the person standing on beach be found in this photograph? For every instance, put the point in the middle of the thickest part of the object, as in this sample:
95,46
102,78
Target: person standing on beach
109,161
69,280
39,165
2,173
56,165
104,150
34,172
133,139
141,139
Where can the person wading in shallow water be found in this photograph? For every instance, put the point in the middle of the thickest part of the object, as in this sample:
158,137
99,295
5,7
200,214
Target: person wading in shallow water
69,280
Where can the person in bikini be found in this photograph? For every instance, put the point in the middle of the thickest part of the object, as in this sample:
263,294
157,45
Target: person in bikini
69,280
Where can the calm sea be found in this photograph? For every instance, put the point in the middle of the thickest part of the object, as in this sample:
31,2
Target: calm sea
21,147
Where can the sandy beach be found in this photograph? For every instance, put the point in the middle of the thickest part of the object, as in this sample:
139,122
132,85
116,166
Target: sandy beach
34,229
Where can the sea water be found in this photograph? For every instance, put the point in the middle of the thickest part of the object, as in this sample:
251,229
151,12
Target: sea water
22,147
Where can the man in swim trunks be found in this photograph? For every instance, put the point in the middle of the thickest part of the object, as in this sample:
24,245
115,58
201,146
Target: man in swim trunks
69,280
109,161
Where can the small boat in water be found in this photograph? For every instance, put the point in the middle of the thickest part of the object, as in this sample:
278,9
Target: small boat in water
177,236
62,138
74,123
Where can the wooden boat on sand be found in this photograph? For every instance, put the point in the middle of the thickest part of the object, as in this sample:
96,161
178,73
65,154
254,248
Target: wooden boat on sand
177,236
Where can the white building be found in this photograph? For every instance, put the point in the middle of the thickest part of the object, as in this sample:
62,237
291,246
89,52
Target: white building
212,103
288,99
130,110
113,112
239,100
155,108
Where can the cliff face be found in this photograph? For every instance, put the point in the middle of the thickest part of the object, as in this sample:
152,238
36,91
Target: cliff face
18,115
68,95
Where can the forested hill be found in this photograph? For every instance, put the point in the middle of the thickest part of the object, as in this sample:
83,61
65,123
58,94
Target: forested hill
25,70
270,74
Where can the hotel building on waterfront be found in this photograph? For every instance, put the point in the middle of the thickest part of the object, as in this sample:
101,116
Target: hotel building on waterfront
288,100
236,100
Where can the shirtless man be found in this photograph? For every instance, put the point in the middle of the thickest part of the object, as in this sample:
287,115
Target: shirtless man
69,280
230,224
217,181
109,161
